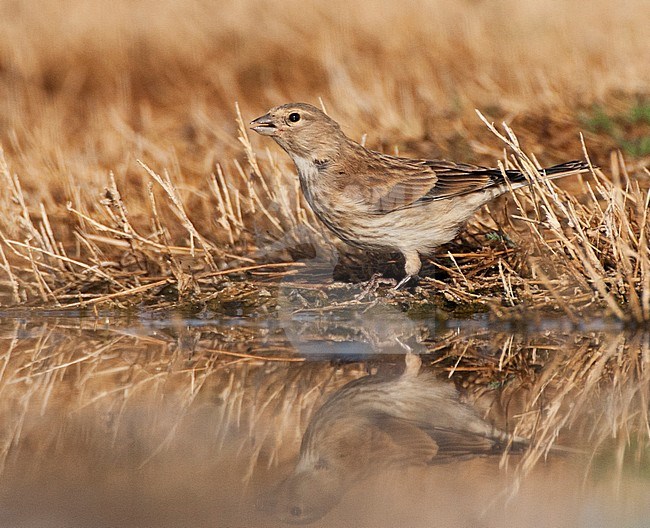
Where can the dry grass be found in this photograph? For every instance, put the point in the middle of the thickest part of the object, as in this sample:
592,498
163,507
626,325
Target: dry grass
127,170
57,374
116,397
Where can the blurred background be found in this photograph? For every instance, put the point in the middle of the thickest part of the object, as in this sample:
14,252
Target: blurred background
89,87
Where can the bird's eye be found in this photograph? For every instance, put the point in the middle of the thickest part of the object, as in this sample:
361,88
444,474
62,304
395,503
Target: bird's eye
294,117
296,511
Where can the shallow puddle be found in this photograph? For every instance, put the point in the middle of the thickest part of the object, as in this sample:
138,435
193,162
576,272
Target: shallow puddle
323,417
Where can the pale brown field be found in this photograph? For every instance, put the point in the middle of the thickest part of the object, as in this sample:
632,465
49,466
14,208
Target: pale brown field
90,89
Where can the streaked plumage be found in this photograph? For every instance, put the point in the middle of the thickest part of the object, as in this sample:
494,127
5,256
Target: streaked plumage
380,202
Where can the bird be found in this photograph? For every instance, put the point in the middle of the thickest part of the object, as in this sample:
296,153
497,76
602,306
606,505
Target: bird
378,423
379,202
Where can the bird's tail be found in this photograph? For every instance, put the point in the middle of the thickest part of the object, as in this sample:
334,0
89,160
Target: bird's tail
517,179
565,169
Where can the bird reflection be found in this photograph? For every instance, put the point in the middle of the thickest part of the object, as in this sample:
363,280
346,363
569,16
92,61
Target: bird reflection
373,424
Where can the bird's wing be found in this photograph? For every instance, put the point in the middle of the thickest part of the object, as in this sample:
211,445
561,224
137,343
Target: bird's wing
454,444
416,182
417,442
406,442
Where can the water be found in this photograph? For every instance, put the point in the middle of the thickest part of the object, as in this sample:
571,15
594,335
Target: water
321,416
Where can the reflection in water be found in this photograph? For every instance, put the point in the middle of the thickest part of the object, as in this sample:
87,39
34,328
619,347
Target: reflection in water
129,423
372,424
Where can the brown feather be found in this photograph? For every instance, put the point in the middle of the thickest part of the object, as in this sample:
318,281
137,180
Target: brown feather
398,183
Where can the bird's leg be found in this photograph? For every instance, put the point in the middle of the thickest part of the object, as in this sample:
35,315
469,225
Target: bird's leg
413,364
412,265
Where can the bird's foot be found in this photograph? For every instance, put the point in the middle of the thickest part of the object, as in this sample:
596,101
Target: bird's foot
373,285
406,280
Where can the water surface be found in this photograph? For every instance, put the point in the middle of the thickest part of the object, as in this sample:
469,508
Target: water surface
311,416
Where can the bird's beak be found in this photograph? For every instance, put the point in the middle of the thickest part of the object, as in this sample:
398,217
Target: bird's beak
264,125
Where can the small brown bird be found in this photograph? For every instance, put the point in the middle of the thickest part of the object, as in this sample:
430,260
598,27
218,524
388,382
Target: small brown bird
377,423
386,203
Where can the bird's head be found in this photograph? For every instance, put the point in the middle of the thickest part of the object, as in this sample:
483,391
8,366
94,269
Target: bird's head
302,130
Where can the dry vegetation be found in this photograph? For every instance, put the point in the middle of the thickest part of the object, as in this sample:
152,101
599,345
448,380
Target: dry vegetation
127,173
91,406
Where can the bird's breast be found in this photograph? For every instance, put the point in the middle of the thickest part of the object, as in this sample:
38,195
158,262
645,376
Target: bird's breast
331,206
339,202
